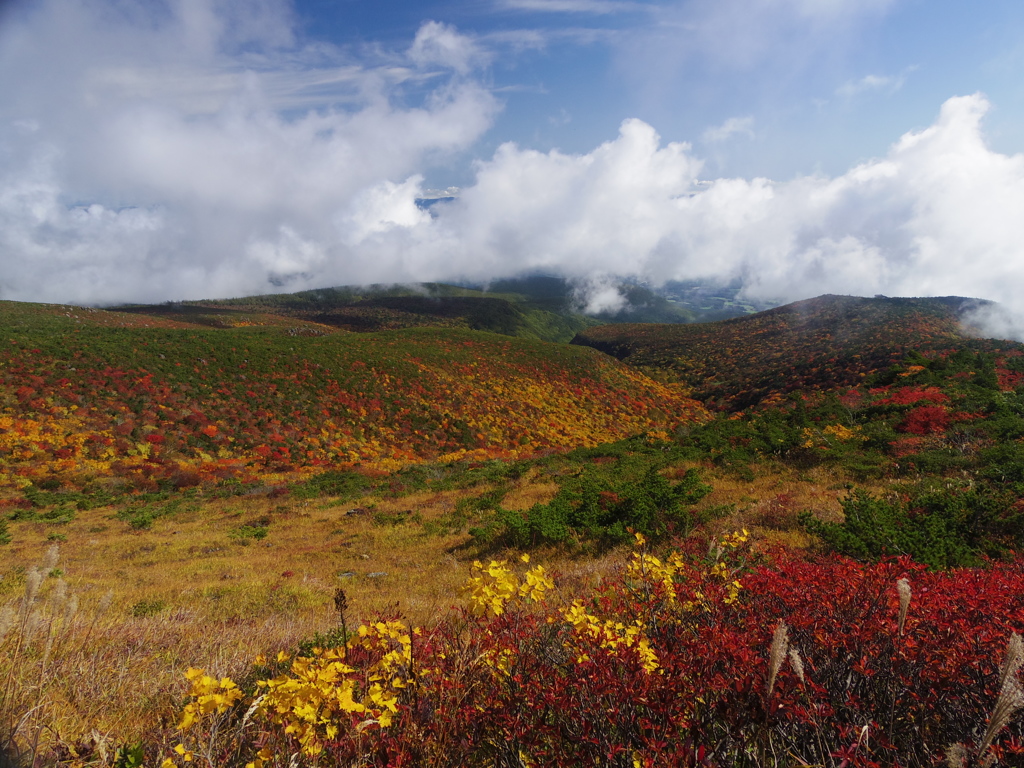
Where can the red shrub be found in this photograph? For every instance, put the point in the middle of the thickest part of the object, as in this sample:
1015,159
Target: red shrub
910,395
526,688
906,446
925,420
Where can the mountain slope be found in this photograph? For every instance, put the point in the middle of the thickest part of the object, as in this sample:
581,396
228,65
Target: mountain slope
819,343
378,308
82,395
535,307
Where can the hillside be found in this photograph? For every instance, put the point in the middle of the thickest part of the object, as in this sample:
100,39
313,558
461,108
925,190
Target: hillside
379,308
234,484
89,395
821,343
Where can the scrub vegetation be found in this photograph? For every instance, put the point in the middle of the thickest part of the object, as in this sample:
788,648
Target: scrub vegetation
254,545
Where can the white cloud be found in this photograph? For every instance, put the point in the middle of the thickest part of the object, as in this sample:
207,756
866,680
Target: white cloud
438,44
381,209
996,321
730,128
939,215
194,155
594,295
888,84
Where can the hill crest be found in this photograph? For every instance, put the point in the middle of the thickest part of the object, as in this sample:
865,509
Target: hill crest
821,343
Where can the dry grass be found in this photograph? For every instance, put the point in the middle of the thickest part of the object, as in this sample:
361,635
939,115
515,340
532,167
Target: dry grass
526,493
185,593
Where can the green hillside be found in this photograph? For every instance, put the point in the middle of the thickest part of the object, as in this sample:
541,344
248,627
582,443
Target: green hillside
536,307
379,308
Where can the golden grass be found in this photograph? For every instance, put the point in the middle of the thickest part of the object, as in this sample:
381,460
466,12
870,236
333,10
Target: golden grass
187,594
527,493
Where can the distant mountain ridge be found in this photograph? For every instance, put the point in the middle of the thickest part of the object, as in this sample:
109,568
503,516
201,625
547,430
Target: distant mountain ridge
819,343
381,308
538,307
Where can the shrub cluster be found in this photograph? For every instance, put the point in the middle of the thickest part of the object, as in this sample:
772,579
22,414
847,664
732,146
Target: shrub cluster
594,505
696,658
942,528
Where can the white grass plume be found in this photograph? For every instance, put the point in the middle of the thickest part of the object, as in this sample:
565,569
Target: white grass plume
903,588
780,644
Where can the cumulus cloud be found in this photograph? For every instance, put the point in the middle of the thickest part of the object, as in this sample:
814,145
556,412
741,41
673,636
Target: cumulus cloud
938,215
202,151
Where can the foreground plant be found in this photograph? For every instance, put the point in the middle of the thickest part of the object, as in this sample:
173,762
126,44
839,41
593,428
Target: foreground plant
32,632
717,656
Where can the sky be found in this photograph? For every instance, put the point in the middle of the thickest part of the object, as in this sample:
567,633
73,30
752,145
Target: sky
155,150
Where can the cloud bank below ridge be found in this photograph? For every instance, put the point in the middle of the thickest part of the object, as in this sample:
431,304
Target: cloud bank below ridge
246,163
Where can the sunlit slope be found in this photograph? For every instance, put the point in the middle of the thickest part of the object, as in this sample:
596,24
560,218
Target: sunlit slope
82,397
819,343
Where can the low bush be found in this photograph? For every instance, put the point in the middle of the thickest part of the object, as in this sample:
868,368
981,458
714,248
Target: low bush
255,530
727,658
345,483
940,528
593,506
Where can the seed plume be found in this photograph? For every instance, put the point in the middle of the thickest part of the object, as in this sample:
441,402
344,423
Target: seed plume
903,588
797,663
1013,660
1011,698
780,644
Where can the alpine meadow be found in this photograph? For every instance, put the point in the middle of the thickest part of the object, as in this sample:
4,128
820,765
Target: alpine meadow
348,529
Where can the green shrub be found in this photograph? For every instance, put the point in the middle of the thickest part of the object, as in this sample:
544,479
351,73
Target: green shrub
940,528
141,517
346,483
130,756
256,530
591,506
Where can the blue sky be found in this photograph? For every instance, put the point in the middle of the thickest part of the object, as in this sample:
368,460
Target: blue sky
810,87
168,149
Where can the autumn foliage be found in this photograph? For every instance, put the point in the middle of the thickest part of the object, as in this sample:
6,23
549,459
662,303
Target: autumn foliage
818,344
179,407
731,658
708,649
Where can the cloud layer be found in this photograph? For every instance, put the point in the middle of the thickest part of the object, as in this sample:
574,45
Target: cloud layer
190,156
936,216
